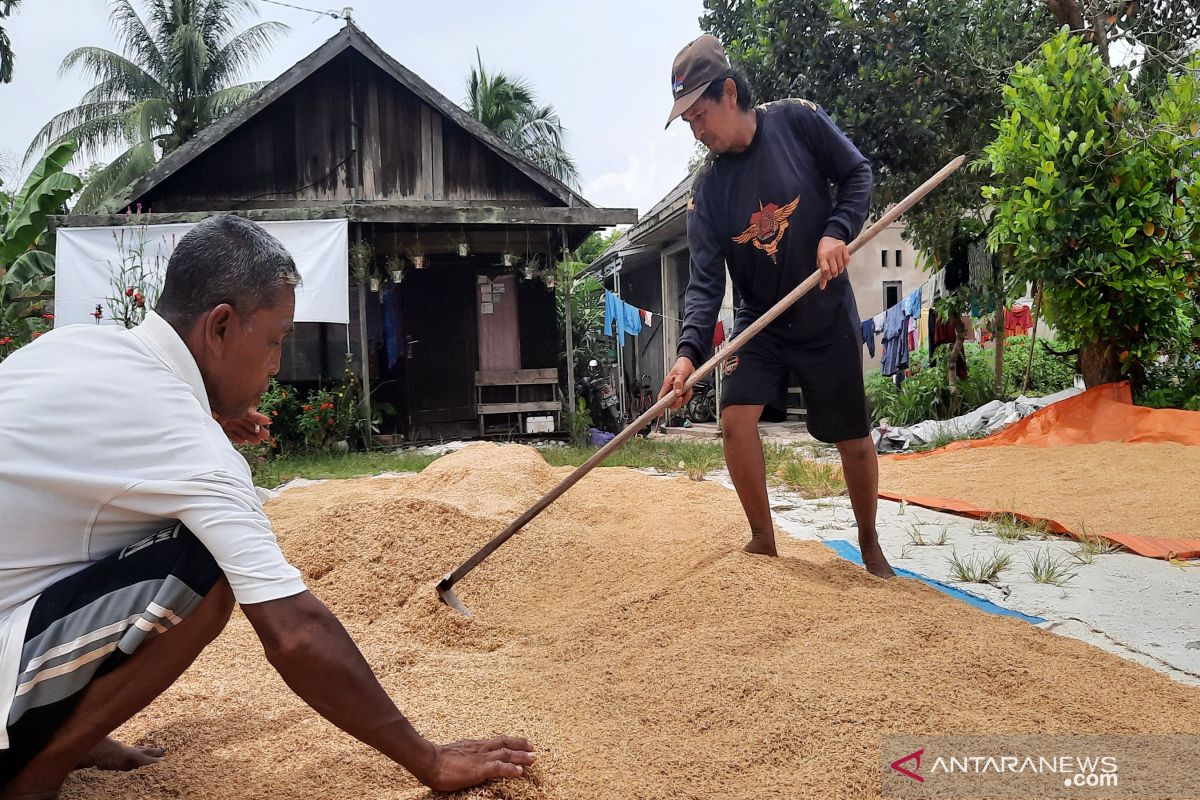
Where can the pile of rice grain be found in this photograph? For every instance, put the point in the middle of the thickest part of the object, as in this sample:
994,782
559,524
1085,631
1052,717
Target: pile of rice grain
1141,489
626,634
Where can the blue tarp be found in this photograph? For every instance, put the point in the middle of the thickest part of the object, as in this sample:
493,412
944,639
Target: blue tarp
849,552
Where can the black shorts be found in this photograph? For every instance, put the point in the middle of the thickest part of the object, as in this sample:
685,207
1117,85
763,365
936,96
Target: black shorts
830,376
88,623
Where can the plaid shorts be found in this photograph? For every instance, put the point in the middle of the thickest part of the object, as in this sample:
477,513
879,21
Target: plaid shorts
89,623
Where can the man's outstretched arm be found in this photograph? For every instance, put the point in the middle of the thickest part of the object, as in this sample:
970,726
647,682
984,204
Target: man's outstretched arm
319,661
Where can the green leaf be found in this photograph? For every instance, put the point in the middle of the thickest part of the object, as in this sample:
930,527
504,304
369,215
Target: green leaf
30,266
53,162
29,220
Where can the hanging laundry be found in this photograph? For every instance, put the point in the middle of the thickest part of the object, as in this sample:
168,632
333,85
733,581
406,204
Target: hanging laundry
895,341
912,303
393,328
931,320
620,318
612,313
868,334
912,333
1017,320
647,318
633,320
942,333
958,266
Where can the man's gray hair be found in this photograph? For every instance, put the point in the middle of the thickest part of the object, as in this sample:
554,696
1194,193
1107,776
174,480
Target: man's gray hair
224,259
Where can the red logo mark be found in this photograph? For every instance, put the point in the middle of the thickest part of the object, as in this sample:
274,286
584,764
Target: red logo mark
916,757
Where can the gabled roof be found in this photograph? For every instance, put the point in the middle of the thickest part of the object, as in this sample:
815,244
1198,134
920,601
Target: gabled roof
670,208
348,38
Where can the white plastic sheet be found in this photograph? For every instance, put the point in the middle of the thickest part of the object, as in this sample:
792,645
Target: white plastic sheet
983,421
87,258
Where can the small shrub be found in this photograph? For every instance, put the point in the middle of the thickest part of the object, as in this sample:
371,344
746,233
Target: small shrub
1049,373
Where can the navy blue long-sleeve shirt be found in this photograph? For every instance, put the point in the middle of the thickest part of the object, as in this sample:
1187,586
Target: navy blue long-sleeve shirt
763,211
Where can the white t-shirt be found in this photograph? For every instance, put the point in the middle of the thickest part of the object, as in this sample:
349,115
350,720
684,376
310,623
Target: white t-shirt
105,435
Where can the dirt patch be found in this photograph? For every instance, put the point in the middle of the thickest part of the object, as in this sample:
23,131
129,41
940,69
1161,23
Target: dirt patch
626,634
1140,489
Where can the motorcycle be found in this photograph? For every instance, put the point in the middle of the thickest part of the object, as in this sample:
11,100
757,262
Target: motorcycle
703,405
600,399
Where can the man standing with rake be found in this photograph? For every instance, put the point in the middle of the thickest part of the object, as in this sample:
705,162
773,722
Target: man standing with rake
762,205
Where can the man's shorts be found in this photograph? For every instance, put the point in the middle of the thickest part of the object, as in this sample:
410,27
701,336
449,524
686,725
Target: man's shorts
89,623
830,375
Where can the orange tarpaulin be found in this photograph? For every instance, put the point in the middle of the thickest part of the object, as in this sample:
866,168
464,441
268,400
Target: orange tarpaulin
1102,414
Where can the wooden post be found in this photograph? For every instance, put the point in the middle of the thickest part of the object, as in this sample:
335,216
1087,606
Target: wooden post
998,327
568,289
364,348
1037,307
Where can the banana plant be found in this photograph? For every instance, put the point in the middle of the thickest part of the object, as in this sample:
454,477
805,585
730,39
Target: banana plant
27,272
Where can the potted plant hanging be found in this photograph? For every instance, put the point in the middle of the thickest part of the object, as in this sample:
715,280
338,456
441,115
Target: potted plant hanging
395,268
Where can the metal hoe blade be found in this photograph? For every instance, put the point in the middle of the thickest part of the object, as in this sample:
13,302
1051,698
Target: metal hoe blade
446,594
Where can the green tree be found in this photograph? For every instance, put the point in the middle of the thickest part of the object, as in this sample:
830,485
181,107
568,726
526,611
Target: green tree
587,313
1159,34
596,243
177,75
911,82
1097,199
7,7
507,106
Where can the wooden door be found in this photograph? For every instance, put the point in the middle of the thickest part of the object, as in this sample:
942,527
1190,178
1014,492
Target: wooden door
439,328
499,325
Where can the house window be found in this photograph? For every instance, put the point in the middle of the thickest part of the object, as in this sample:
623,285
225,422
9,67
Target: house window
899,260
883,258
891,293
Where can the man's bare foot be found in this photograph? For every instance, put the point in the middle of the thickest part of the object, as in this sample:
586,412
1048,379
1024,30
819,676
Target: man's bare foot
874,560
112,755
760,545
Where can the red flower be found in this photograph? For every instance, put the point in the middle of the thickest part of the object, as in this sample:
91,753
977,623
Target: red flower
6,340
129,292
35,334
47,316
308,408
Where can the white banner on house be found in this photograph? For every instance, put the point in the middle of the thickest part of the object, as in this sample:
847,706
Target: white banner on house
88,265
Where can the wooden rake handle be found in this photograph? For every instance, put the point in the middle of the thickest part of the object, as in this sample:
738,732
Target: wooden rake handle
447,583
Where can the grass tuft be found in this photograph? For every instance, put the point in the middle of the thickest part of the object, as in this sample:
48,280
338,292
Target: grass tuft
979,569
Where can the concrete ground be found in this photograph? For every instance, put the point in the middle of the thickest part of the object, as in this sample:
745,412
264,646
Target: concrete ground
783,433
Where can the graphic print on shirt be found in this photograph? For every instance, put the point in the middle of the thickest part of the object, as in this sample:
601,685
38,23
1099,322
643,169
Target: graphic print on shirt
767,226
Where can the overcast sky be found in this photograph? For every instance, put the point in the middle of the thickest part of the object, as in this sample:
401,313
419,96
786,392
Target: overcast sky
604,65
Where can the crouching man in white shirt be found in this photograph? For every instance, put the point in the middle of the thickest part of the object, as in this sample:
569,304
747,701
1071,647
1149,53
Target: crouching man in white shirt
131,525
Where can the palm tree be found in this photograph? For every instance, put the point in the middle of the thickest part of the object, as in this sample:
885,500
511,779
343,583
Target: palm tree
177,76
506,105
7,7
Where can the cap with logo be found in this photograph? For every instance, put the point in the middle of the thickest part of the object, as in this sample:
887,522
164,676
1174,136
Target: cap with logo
696,66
